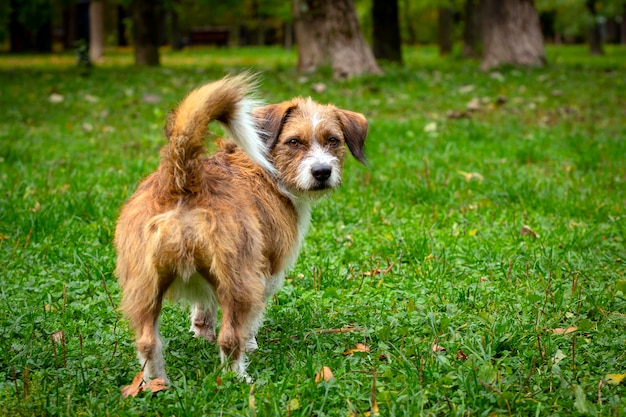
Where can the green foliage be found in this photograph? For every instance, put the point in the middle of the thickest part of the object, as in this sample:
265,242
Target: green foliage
422,252
573,17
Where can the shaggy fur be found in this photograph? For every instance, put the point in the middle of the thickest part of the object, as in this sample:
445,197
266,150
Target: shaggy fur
220,230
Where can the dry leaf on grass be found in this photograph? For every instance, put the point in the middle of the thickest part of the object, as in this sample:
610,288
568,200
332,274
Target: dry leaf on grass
615,379
155,385
560,331
134,388
360,347
469,176
436,348
325,374
57,336
138,386
527,230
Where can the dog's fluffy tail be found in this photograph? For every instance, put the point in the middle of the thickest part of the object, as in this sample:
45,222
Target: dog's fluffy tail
229,101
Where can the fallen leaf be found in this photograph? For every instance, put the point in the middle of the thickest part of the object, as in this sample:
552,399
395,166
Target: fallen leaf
430,127
325,374
560,331
155,385
474,104
318,87
466,88
91,99
558,357
36,208
496,76
294,404
452,114
151,98
469,176
526,230
56,98
360,347
461,356
615,379
436,348
57,336
135,387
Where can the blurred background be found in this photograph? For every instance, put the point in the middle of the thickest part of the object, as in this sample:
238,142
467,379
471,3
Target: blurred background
467,28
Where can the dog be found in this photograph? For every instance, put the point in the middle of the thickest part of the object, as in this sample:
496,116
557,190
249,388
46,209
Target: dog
220,230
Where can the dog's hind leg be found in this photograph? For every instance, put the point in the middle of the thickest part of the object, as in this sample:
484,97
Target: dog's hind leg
150,352
143,315
239,318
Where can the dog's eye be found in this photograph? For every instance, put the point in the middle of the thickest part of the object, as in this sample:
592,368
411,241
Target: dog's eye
294,143
333,142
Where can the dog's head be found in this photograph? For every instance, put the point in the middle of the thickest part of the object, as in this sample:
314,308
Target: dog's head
306,143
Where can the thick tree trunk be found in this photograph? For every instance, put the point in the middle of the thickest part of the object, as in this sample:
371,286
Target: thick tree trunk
471,29
622,28
122,36
309,20
386,30
96,31
511,34
595,38
146,22
69,27
446,26
350,54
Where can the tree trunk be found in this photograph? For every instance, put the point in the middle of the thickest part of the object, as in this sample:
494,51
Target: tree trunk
122,15
350,54
446,24
595,37
96,31
309,21
386,30
69,27
511,34
175,39
330,28
622,27
409,23
471,29
146,22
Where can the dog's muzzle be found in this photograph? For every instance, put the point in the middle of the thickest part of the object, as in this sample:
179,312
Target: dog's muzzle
321,172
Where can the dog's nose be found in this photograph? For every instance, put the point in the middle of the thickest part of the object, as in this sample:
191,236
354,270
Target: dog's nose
321,172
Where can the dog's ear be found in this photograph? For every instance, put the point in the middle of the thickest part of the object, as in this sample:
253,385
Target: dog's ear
354,131
270,120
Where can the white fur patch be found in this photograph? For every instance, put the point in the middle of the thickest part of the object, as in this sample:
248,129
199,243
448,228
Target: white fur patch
318,155
242,128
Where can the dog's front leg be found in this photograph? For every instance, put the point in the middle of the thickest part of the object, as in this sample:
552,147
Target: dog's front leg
203,321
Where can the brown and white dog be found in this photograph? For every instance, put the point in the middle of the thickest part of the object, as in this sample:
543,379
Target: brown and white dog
221,230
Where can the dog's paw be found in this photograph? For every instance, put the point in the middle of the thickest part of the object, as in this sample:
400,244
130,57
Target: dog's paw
251,345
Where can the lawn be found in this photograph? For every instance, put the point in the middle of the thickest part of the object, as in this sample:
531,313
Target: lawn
477,266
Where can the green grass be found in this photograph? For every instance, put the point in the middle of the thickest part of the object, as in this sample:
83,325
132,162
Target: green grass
408,251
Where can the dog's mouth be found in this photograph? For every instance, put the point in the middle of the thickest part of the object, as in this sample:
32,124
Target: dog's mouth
321,186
